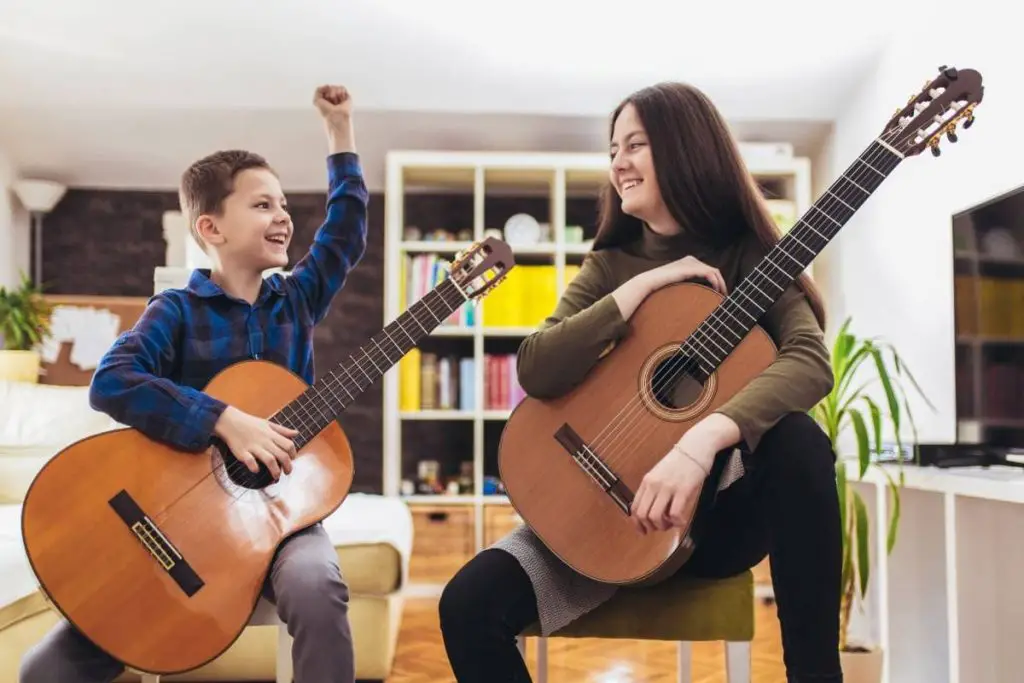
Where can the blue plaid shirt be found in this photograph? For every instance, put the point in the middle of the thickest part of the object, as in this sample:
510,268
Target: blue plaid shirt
152,377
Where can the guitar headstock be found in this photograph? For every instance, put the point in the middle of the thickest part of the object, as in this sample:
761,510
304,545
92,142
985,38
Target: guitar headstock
935,111
482,266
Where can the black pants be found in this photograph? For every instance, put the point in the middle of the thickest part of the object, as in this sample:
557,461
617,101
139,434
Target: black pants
785,507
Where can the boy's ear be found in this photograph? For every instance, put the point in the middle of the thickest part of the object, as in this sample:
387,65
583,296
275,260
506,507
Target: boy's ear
207,228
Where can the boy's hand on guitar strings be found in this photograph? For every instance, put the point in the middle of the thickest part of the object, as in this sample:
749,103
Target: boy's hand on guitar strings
253,440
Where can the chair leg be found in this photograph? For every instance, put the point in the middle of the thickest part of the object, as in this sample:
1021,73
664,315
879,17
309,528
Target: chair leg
542,659
521,646
737,662
150,678
684,665
284,654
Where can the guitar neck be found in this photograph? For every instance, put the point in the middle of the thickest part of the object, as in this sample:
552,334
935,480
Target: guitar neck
329,396
716,337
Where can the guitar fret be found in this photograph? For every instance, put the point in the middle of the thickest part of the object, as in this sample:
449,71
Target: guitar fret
320,404
747,302
871,167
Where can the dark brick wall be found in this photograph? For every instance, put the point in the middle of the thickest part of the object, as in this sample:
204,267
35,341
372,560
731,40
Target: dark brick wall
107,242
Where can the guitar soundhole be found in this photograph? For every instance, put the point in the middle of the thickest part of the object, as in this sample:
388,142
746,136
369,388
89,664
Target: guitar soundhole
672,387
231,472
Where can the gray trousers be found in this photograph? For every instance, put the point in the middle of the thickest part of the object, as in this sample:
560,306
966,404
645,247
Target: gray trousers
304,583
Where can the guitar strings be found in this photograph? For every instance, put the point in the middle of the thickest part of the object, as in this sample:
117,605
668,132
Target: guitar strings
240,476
686,356
672,369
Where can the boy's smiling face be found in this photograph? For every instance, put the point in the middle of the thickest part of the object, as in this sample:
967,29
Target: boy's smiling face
254,227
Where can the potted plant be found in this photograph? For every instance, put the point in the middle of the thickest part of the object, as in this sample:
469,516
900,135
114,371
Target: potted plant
856,364
24,324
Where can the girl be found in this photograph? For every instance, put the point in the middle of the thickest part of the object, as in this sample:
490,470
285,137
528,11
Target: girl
679,205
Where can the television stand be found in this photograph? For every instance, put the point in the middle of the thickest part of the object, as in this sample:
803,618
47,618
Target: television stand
968,455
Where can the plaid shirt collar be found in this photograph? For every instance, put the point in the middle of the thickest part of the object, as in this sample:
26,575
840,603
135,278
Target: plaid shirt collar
200,284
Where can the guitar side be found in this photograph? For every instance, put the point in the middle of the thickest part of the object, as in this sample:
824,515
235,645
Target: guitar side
158,555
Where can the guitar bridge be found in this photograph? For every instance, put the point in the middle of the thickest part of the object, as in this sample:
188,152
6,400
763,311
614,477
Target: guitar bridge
591,463
156,543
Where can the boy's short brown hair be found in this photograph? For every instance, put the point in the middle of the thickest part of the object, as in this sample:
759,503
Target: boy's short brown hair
207,183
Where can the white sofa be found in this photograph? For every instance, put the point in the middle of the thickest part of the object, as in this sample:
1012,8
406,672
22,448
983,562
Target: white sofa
373,536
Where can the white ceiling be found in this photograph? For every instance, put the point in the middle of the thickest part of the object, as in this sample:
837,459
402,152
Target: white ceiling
125,93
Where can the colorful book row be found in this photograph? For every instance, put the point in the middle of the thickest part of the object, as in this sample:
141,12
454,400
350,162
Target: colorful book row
526,296
430,381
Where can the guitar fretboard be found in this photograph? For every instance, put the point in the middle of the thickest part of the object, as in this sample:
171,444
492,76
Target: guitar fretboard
716,337
326,398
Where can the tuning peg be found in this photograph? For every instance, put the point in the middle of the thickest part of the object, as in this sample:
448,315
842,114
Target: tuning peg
951,135
969,121
934,144
948,71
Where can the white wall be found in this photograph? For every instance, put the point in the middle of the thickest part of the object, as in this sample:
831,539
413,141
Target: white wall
891,266
14,237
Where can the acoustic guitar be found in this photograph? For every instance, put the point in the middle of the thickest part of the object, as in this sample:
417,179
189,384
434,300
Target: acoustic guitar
159,556
571,465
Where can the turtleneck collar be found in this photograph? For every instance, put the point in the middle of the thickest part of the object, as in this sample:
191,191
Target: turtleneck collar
654,245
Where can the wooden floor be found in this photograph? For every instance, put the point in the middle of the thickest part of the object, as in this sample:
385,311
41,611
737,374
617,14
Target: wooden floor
420,657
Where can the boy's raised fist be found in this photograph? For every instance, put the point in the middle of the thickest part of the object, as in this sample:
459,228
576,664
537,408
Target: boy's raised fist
333,101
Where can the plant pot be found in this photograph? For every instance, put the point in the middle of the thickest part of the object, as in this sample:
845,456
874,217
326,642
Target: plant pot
20,366
861,665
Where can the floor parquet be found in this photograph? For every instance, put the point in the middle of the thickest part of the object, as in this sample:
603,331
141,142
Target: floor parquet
420,657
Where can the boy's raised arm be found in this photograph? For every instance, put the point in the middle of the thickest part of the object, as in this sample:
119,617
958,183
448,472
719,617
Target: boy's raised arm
340,242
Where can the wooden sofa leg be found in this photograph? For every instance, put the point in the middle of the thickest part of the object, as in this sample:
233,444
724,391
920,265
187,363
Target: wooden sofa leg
284,655
542,660
737,662
683,666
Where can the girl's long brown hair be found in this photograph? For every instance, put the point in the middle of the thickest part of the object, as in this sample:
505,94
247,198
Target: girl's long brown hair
701,177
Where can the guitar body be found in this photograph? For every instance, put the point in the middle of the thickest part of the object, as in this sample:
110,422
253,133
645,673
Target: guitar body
101,574
616,413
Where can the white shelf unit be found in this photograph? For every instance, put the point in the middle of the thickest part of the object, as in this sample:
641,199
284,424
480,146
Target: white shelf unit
481,175
947,605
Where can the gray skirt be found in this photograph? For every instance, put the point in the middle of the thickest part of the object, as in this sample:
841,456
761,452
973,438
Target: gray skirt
563,594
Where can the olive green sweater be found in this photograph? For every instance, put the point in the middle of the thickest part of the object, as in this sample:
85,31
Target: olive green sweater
587,322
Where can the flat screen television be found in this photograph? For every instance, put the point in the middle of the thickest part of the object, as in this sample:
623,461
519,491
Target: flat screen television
988,252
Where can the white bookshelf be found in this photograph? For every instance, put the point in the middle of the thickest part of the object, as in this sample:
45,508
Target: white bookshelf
480,175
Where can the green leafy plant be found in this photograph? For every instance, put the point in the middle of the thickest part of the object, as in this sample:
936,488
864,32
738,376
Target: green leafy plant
24,316
857,364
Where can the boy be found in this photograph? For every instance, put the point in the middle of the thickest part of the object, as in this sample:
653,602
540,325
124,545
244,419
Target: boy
151,379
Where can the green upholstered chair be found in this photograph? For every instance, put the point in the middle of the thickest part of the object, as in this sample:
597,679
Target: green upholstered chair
680,609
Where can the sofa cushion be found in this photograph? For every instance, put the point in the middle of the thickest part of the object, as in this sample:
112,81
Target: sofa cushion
36,422
43,414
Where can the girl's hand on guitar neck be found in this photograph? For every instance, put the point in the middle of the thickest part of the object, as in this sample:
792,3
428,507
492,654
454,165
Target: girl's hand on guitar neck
669,492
